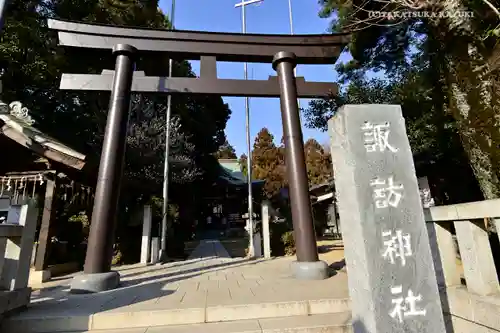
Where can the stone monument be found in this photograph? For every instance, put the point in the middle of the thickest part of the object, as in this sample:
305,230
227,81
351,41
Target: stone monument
392,282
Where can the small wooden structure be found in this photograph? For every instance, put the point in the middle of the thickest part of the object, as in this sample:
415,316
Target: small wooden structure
35,165
228,199
324,208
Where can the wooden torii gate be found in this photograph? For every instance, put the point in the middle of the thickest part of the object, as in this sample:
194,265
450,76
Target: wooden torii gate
284,52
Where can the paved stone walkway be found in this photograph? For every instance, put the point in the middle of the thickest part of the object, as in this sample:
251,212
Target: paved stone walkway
209,249
209,279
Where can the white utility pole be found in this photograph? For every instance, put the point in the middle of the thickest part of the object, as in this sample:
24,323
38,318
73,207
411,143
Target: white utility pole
163,251
243,4
3,9
290,15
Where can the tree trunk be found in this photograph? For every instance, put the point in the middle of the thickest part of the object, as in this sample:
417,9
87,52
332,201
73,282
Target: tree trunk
473,102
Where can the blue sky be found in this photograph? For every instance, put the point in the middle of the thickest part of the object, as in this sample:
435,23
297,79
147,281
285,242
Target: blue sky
269,17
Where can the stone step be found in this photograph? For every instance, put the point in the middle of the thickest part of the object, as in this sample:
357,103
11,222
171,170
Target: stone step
324,323
38,322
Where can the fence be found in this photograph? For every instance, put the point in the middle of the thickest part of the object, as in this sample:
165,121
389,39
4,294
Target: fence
469,220
475,306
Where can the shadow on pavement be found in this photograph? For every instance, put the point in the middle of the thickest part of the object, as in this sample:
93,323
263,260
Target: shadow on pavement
330,247
198,271
58,299
160,268
359,327
338,265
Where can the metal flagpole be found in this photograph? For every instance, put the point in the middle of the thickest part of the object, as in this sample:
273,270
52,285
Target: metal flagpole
290,15
243,4
163,251
3,8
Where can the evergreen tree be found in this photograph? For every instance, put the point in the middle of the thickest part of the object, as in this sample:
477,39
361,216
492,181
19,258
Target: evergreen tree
226,151
31,64
243,163
267,162
434,140
462,78
319,166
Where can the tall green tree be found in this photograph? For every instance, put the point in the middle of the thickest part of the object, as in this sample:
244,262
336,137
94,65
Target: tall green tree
226,151
460,74
435,144
318,163
31,67
267,162
243,164
31,64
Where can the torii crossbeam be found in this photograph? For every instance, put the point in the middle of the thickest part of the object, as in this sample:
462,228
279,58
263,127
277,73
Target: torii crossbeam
208,47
